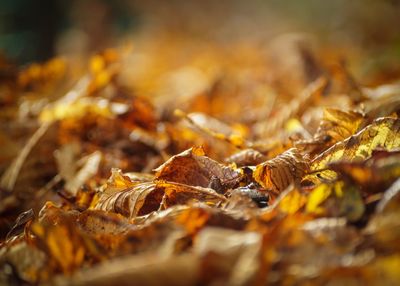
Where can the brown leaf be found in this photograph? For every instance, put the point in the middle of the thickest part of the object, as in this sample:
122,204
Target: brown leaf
247,157
146,269
99,222
192,167
278,173
144,198
20,222
176,193
139,199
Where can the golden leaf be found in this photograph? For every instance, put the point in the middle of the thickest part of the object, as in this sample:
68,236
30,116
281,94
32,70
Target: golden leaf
278,173
383,132
335,126
65,245
216,129
291,202
339,124
117,182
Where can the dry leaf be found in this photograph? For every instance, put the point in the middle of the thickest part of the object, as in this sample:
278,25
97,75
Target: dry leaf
335,126
76,172
302,188
247,157
144,198
139,199
20,222
215,129
192,167
336,200
278,173
382,133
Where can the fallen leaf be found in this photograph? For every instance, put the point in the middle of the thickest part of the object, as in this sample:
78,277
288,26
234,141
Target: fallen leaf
382,133
192,167
336,200
278,173
247,157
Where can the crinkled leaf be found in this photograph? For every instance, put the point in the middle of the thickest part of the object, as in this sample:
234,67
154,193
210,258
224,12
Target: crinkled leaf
192,167
143,198
278,173
139,199
247,157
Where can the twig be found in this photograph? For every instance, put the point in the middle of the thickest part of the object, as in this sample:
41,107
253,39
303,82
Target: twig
10,175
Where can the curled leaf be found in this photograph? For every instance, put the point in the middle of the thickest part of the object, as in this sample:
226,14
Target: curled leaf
139,199
247,157
143,198
214,128
20,222
278,173
192,167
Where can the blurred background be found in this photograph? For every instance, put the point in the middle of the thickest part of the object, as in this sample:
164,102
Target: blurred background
38,30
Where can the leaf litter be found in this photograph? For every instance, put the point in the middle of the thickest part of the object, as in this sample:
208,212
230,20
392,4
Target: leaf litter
232,182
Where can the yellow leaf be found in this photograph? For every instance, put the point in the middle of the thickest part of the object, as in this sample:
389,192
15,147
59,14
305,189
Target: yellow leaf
292,202
383,133
336,200
316,198
97,64
77,109
339,124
